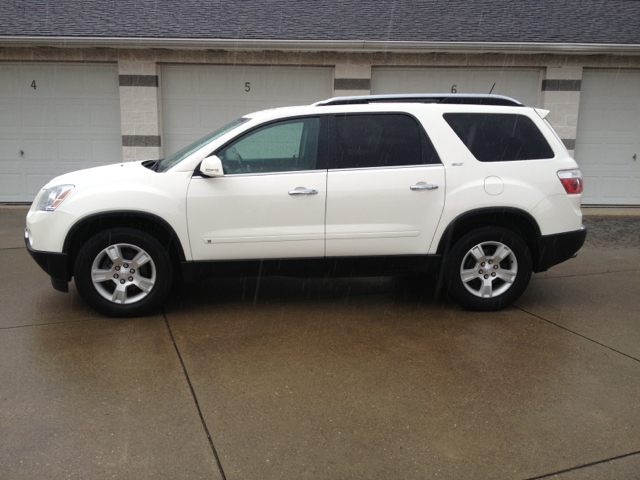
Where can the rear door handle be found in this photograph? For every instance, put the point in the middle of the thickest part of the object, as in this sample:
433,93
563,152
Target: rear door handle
424,186
308,191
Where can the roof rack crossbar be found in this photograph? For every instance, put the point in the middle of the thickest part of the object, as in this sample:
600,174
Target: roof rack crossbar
453,98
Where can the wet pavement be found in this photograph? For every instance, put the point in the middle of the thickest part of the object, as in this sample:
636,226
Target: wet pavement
313,378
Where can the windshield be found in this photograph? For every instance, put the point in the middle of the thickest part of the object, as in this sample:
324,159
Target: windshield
180,155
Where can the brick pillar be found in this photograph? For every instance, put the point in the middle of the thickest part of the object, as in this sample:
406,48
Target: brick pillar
140,110
561,95
352,80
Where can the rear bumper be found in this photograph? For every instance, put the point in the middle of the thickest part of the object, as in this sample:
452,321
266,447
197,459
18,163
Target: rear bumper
555,249
54,264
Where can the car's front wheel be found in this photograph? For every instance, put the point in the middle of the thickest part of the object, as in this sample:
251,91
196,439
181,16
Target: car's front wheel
123,272
488,269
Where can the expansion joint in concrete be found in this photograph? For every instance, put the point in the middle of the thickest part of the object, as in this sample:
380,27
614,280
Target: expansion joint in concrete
628,270
586,465
195,398
579,335
30,325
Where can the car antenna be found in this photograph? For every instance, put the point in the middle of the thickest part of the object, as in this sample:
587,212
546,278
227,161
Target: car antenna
494,84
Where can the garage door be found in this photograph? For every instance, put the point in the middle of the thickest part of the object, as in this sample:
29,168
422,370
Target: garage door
608,138
523,85
197,99
55,119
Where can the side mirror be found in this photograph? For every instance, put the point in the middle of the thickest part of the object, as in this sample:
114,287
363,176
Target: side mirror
212,167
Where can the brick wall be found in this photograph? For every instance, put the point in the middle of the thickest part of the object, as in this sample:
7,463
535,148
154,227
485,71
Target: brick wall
561,95
140,110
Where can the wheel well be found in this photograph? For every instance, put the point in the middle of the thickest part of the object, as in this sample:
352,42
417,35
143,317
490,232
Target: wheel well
148,223
512,219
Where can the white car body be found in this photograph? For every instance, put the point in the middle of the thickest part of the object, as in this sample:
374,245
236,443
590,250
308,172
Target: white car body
356,212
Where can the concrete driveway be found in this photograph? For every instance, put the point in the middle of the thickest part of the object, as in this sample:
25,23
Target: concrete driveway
286,378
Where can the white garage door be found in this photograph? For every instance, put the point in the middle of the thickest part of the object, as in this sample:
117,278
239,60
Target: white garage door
608,139
197,99
55,119
521,84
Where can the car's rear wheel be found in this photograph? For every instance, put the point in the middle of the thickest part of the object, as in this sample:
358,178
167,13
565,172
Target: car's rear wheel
123,272
488,269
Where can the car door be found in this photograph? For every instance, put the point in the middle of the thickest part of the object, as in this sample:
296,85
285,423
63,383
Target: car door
270,203
385,186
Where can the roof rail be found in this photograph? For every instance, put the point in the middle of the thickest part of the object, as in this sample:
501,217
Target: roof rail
450,98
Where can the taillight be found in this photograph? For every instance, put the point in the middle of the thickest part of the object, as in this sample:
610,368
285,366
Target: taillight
571,180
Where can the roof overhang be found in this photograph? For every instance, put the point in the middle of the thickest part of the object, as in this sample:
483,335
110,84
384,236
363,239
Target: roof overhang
324,45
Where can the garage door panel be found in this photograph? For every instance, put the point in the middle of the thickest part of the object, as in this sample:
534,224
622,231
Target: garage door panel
212,82
197,99
591,186
70,83
12,185
9,150
9,117
99,83
609,86
596,151
104,151
613,187
38,116
10,168
208,112
184,80
103,116
72,150
35,181
609,135
625,83
8,83
182,116
595,118
618,154
623,120
39,150
56,123
209,116
635,188
30,76
69,115
604,157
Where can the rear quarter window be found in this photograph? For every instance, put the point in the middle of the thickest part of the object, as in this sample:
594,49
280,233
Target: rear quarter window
499,137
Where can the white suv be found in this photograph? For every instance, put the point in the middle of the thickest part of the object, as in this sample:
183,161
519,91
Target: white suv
476,188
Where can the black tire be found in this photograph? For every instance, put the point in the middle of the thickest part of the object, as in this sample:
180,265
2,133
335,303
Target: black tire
490,283
135,289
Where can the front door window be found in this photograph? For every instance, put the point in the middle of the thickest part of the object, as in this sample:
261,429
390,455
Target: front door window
280,147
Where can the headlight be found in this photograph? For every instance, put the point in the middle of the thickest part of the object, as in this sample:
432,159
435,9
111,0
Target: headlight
53,197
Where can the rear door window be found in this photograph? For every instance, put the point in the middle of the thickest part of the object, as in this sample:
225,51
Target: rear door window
498,137
380,140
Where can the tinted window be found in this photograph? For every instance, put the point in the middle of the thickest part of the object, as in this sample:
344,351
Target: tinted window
381,140
495,137
279,147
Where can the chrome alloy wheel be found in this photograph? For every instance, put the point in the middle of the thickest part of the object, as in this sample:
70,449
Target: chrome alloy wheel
123,273
489,269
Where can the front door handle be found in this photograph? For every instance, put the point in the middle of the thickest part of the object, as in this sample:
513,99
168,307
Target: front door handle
308,191
424,186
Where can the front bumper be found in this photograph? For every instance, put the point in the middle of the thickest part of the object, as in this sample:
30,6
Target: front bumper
555,249
54,264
